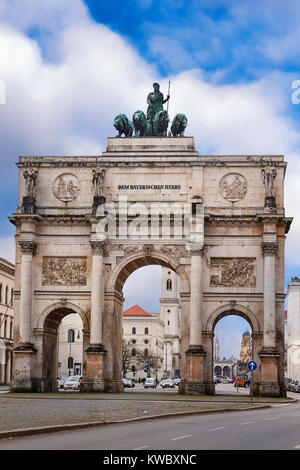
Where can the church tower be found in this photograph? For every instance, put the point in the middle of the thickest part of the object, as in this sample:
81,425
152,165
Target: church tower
170,314
217,350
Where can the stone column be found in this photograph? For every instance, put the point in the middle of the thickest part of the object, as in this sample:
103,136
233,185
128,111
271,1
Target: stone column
269,252
28,249
95,353
97,293
269,385
23,351
195,353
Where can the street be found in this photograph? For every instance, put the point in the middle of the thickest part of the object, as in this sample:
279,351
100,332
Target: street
275,428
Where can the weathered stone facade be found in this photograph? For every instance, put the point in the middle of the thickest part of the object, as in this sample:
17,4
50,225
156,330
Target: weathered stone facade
236,224
7,273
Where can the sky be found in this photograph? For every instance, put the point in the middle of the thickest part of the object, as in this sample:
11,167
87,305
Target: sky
68,67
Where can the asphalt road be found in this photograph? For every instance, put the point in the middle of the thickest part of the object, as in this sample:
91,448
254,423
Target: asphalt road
276,428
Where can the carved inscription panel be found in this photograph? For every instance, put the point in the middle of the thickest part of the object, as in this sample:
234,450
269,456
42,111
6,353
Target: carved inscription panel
60,271
233,272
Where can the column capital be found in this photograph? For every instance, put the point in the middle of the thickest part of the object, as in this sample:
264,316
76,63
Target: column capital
196,251
269,248
99,247
28,247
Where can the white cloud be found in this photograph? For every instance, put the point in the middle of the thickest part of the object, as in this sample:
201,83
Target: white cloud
67,106
7,248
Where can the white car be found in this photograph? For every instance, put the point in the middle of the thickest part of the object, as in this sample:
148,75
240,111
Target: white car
167,383
72,382
128,383
150,383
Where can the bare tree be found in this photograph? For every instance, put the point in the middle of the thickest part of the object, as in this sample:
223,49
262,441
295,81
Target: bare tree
148,359
127,356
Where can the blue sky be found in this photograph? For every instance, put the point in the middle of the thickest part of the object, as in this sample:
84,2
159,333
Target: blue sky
69,66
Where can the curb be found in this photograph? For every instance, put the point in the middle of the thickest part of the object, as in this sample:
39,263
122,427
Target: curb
70,427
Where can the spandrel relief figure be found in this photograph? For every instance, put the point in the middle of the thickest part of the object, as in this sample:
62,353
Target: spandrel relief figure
268,177
98,181
30,182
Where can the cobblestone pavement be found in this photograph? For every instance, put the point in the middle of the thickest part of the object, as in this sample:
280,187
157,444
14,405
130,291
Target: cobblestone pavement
20,412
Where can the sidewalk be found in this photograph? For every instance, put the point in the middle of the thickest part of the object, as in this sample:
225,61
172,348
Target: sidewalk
35,413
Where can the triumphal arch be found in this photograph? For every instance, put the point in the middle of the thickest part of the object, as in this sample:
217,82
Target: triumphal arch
85,223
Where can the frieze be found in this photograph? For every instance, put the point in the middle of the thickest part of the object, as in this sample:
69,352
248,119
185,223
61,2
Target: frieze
233,272
233,187
62,271
175,251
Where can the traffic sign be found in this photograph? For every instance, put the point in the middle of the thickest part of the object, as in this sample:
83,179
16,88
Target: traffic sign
145,369
252,365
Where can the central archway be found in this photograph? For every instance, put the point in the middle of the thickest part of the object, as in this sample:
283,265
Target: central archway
113,307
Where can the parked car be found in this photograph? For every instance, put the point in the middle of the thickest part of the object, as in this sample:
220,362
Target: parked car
150,383
73,382
177,380
297,388
128,383
167,383
216,381
61,381
293,385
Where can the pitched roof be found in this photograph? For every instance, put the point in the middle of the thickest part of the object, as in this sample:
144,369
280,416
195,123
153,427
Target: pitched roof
136,311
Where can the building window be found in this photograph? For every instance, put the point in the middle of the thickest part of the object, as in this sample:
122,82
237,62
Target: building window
5,327
146,331
70,362
11,330
71,336
6,295
169,284
133,331
133,341
133,352
168,323
1,293
12,297
133,369
146,341
146,352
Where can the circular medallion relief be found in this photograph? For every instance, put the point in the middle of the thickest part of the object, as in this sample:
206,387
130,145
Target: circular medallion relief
66,187
233,187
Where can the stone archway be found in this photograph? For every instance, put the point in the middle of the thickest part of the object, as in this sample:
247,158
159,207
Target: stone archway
46,341
257,340
113,308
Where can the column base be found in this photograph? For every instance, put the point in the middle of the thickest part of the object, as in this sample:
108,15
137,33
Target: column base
194,388
194,383
22,381
94,378
269,385
270,389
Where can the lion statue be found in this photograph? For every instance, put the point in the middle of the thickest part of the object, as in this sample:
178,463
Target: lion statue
160,123
179,124
123,125
141,125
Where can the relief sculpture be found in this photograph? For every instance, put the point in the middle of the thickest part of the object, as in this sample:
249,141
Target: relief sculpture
233,272
66,188
64,271
233,187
